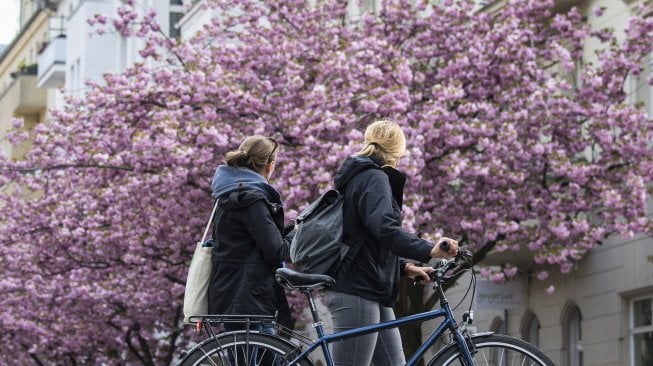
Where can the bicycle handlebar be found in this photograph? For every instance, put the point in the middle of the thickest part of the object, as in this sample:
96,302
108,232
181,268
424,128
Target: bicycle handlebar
464,256
445,246
443,266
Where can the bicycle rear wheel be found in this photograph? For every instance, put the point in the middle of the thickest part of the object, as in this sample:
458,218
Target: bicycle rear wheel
241,349
494,350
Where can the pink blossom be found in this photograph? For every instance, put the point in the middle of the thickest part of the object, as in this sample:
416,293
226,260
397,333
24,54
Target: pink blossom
17,123
510,271
503,153
598,11
101,18
499,277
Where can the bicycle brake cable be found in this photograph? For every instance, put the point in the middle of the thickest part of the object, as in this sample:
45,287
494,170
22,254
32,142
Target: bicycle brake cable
466,292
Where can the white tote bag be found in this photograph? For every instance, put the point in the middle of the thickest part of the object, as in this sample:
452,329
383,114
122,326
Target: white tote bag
196,296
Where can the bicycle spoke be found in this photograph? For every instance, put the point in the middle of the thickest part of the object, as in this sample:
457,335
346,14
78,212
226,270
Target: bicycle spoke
235,351
240,349
485,358
494,350
262,357
209,357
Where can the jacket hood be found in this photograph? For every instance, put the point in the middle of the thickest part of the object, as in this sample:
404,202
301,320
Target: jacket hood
352,166
355,164
228,179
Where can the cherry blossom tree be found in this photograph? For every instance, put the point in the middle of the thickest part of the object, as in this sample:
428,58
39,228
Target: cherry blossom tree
100,218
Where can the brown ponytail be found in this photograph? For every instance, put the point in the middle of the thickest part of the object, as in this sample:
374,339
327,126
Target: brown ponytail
254,153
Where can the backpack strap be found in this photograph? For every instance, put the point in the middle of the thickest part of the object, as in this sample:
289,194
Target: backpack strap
348,254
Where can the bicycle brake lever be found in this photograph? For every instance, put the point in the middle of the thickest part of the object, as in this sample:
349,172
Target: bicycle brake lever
465,254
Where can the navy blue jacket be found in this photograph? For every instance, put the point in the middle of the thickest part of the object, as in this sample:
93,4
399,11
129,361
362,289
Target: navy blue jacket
372,217
248,228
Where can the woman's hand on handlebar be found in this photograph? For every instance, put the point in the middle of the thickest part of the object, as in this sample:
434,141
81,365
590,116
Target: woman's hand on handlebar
418,273
445,248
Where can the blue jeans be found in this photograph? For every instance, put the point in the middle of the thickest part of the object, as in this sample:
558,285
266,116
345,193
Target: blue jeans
380,349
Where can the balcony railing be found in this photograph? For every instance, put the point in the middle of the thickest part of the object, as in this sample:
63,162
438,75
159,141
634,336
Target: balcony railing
52,64
23,97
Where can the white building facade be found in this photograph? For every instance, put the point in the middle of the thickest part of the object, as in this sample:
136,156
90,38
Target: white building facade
75,53
601,314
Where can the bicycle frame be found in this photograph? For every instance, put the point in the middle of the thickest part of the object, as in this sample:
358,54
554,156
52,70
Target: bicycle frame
445,311
304,284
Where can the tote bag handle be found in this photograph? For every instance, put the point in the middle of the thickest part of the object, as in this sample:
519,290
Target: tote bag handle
208,224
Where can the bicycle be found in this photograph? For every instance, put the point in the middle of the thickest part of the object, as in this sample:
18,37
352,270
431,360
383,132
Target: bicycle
249,347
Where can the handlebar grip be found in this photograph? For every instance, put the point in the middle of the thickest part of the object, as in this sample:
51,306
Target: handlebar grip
445,246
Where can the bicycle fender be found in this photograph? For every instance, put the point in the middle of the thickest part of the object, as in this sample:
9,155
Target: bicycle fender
453,343
234,333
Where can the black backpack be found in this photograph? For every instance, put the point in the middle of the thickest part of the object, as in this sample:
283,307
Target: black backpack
317,246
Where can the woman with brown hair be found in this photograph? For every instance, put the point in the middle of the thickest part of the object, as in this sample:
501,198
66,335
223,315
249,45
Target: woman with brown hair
248,232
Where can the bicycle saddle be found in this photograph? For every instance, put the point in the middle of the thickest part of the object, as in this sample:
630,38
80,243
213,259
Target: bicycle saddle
291,279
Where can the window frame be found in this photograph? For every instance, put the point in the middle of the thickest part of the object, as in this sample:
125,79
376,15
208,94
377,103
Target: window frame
632,329
572,335
530,330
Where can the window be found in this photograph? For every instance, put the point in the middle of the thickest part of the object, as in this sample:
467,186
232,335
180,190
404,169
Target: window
75,78
531,329
173,31
73,82
641,331
572,336
498,325
78,78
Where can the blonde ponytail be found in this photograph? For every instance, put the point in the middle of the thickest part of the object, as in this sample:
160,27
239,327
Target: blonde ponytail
384,141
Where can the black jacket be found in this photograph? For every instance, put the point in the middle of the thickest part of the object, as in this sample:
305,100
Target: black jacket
372,217
248,227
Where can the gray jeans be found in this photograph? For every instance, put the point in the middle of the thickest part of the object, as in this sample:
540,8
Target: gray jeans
379,349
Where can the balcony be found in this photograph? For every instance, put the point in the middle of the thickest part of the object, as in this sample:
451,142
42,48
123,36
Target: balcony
52,64
22,97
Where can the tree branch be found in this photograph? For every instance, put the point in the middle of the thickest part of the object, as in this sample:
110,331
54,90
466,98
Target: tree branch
175,279
67,166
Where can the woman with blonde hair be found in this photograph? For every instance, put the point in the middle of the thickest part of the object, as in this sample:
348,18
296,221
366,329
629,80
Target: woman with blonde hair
248,233
367,281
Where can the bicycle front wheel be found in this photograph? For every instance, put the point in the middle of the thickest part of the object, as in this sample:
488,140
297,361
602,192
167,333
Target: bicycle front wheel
493,350
241,349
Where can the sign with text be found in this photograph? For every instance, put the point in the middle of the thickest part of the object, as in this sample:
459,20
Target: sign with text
509,295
